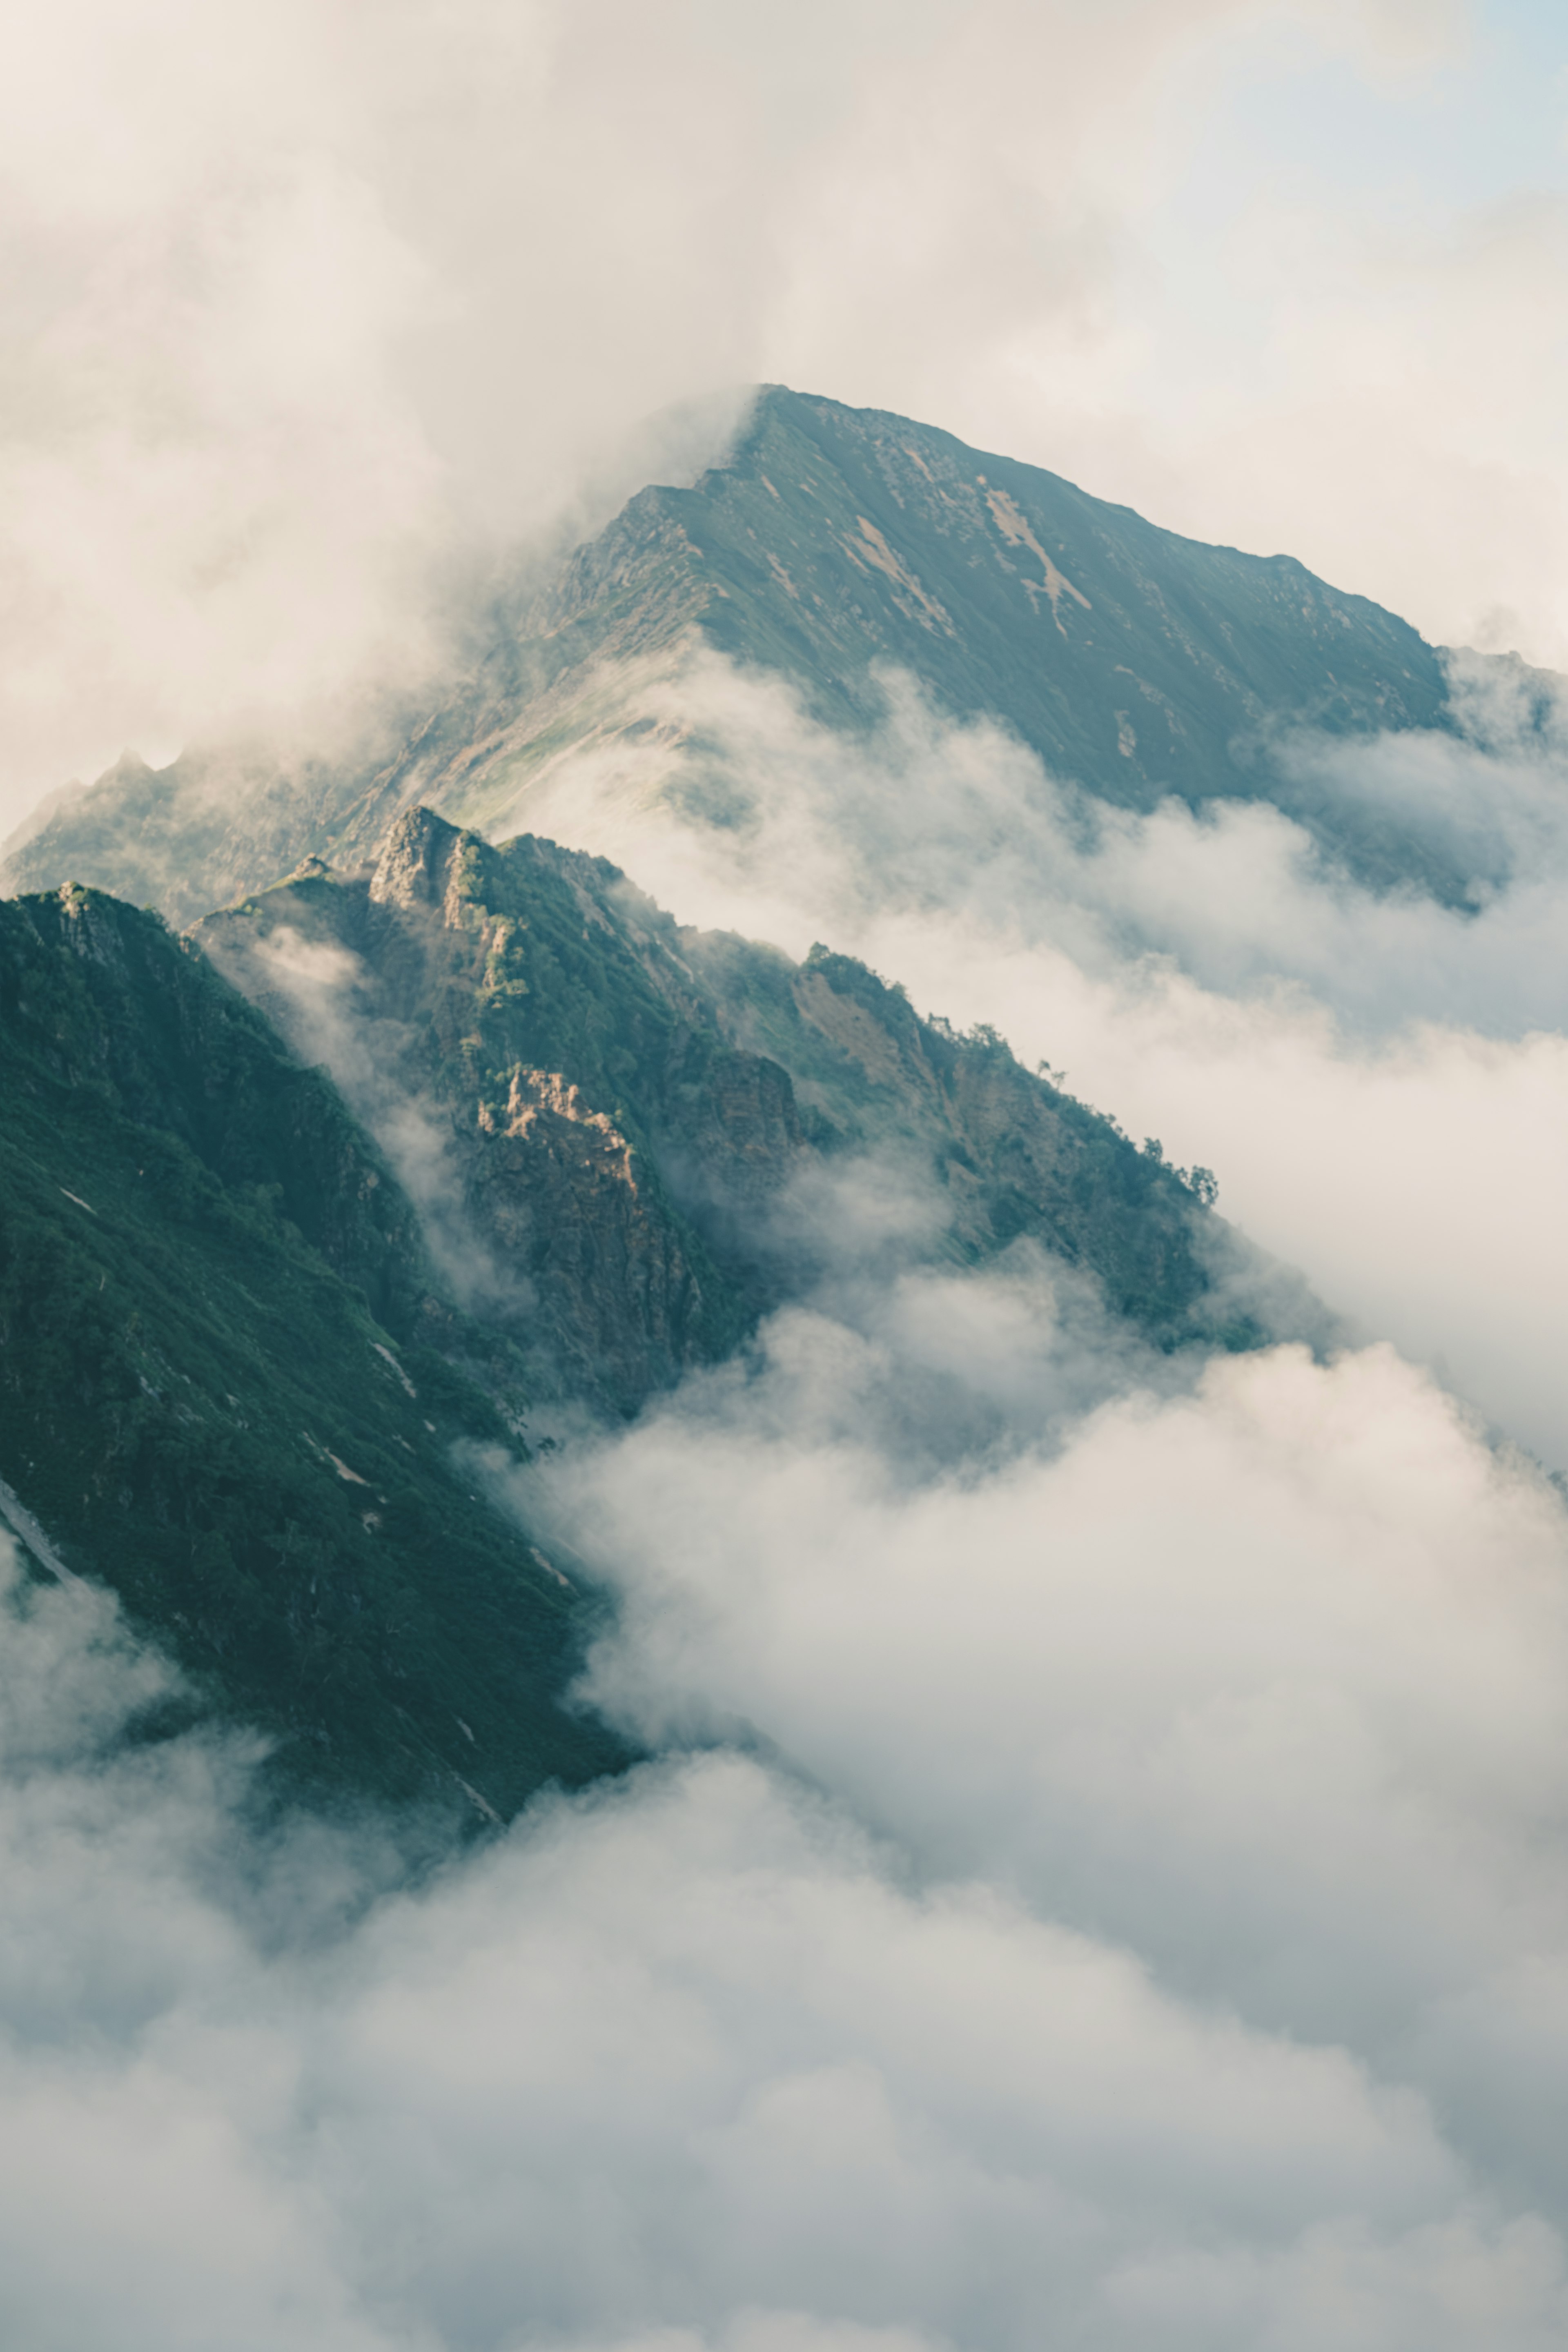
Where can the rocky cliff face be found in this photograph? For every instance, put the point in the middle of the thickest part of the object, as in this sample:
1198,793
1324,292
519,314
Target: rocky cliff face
1136,663
484,1012
618,1121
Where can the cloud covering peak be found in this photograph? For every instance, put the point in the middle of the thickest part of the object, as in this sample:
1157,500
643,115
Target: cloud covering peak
307,315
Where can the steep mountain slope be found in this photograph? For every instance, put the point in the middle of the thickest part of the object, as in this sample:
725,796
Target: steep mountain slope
206,1273
632,1116
1135,662
247,1352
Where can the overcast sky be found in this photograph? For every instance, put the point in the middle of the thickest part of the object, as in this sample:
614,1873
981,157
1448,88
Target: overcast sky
301,300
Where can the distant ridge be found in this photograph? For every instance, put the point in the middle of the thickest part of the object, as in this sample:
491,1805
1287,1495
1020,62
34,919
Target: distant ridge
833,540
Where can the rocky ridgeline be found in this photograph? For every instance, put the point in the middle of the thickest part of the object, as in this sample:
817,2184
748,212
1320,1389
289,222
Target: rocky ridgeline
832,543
625,1115
369,1170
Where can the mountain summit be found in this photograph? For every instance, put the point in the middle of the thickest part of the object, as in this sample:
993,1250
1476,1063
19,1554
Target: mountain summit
835,544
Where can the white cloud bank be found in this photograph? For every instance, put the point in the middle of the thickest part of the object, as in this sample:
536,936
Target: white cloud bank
1103,1885
1101,1877
1123,1908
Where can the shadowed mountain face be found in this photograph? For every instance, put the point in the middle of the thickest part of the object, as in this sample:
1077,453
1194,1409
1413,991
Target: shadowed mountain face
632,1120
1136,663
834,543
227,1390
256,1314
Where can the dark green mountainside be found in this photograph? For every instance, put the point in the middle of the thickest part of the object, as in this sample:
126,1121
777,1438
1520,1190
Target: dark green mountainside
247,1349
218,1390
833,542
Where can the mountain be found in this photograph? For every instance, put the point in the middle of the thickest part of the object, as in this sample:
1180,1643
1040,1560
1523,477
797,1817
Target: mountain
305,1217
835,542
1136,663
229,1390
254,1359
633,1116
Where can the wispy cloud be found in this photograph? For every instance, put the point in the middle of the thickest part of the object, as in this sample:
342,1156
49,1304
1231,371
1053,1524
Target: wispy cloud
1378,1080
307,319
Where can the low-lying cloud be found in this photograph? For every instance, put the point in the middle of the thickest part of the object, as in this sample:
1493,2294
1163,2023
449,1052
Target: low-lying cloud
1100,1878
1380,1080
1100,1881
1100,1884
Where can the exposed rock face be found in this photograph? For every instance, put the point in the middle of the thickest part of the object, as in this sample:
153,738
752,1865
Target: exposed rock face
1136,663
554,1187
238,1336
485,1012
608,1120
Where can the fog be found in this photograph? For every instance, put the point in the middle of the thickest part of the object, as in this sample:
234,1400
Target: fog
1104,1885
1379,1080
314,316
1099,1879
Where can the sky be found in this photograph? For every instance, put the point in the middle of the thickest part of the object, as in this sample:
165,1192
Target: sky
1098,1876
310,309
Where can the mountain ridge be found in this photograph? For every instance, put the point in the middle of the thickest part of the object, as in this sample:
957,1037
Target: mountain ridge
1135,662
199,1405
652,1080
303,1215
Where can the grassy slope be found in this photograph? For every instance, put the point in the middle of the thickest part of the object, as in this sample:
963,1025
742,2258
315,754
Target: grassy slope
179,1365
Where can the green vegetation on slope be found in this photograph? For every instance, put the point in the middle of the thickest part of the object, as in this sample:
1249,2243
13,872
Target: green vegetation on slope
207,1415
634,1106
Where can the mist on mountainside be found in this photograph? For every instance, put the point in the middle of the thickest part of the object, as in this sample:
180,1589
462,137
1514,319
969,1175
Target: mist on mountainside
1376,1075
823,545
1097,1881
1277,959
781,1194
1092,1872
1095,1875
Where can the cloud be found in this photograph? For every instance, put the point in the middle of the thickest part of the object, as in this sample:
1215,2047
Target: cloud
308,317
1378,1080
322,1001
1101,1888
309,320
1101,1880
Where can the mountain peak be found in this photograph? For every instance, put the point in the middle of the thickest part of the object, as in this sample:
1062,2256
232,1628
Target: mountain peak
414,866
833,546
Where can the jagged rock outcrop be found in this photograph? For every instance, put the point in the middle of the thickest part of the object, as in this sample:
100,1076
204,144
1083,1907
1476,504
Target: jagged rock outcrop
561,1148
616,1121
566,1112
